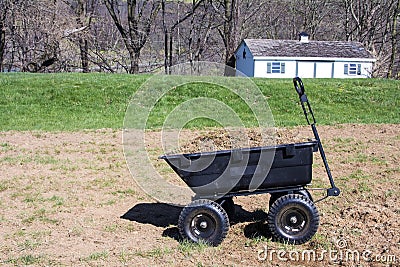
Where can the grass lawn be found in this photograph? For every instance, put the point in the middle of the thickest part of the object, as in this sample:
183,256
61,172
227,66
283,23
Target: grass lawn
64,101
71,101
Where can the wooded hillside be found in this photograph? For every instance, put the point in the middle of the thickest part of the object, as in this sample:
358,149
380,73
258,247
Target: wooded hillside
140,36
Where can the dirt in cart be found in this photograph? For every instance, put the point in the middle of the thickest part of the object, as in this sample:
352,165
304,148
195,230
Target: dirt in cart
69,199
220,139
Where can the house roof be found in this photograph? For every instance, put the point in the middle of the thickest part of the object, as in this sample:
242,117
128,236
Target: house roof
294,48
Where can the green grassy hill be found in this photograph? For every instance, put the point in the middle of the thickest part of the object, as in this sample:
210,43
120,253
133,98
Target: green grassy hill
68,102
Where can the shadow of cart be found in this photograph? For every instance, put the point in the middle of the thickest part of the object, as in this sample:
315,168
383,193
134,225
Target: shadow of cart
167,216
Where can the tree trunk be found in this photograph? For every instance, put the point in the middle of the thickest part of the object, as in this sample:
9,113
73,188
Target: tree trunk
165,37
229,27
134,58
170,50
83,46
394,37
3,15
80,12
2,44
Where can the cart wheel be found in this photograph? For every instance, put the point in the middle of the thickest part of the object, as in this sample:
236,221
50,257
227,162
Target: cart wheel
229,206
204,220
275,196
293,218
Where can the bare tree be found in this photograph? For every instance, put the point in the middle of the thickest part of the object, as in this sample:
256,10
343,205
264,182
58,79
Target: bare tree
312,14
236,20
4,6
169,27
228,11
34,35
372,22
201,27
83,12
140,17
107,51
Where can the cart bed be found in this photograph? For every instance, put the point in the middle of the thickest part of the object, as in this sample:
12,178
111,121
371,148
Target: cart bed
232,171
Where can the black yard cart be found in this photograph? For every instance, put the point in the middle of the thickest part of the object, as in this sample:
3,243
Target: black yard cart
292,217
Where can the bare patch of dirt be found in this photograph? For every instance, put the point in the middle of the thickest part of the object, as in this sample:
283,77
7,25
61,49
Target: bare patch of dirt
69,199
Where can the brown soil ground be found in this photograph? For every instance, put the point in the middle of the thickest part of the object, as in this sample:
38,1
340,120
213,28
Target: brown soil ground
68,199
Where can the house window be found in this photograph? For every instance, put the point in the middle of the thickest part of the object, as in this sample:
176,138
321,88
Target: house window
352,69
275,67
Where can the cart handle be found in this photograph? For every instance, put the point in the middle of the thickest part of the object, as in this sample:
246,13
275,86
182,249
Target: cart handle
299,86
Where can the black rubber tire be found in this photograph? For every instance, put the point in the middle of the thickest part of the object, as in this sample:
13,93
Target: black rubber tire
229,206
305,193
293,218
275,196
204,220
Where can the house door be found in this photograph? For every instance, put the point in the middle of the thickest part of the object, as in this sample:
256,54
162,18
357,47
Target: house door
305,69
323,70
310,69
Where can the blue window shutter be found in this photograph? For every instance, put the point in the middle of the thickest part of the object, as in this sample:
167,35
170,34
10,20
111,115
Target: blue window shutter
346,69
269,67
282,67
359,69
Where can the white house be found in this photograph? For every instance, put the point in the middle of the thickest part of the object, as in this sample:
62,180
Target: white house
303,58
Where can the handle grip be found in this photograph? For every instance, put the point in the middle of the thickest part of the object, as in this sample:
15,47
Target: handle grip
299,86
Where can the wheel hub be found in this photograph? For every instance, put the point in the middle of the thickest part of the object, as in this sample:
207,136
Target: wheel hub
203,224
293,219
